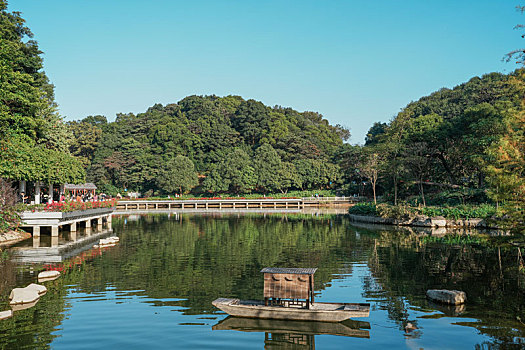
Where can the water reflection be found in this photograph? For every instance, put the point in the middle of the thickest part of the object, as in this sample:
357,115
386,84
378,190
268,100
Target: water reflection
279,334
44,248
349,328
158,284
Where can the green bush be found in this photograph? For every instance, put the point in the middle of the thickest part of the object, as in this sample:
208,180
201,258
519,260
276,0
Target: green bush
460,212
364,209
399,212
404,212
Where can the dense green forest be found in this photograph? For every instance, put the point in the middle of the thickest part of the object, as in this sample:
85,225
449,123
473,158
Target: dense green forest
456,146
235,145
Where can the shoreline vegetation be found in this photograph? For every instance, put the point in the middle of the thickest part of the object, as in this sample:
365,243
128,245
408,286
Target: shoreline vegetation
467,216
457,146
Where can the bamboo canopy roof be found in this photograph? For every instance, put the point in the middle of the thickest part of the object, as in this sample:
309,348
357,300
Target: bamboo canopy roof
292,271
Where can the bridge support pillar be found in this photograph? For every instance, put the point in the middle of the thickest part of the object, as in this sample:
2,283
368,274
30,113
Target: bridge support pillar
36,231
54,231
36,241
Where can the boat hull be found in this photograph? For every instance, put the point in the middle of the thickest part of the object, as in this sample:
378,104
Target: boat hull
322,312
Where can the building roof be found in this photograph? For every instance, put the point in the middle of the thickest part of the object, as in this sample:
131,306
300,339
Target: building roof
296,271
86,186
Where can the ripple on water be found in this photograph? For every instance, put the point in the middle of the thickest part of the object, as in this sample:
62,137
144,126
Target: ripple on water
156,289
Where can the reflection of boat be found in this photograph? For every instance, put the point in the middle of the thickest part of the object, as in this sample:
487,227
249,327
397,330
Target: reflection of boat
294,327
288,295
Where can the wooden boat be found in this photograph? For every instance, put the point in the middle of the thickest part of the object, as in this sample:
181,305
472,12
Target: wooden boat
288,295
323,312
352,329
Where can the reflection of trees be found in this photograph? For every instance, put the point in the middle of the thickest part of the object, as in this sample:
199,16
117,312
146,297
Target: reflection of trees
7,279
403,268
194,259
33,328
199,258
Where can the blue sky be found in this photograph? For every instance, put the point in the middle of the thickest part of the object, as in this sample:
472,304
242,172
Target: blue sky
356,62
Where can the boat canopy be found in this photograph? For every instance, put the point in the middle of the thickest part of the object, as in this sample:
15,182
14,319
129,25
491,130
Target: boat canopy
293,270
288,286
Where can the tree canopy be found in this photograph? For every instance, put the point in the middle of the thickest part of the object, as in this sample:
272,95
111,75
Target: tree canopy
33,137
236,145
466,142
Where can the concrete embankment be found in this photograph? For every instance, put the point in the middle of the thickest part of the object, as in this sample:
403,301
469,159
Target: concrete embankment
425,221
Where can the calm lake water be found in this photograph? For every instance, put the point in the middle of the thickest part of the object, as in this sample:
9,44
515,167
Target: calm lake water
155,288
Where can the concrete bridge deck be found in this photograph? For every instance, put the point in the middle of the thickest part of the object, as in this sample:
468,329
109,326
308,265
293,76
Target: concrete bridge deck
87,218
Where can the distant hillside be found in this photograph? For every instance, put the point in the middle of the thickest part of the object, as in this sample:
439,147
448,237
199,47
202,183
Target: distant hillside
273,148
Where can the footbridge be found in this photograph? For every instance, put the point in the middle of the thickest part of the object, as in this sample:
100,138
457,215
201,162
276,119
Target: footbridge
241,203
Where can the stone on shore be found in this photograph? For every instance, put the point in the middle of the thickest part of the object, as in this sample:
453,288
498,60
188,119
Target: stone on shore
5,314
48,276
12,237
445,296
439,221
26,295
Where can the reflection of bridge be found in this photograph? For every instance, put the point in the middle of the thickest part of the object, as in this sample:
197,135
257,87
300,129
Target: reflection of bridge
241,203
57,250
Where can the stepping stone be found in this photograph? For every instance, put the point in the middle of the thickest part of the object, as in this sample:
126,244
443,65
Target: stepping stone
6,314
445,296
109,240
48,276
26,295
41,290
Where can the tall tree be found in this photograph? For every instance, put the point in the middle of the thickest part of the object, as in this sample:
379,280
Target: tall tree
518,54
268,165
370,167
27,107
178,174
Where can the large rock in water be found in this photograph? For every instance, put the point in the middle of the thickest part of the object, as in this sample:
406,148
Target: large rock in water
48,276
445,296
26,295
5,314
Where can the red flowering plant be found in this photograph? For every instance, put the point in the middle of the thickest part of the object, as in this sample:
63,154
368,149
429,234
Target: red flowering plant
73,206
